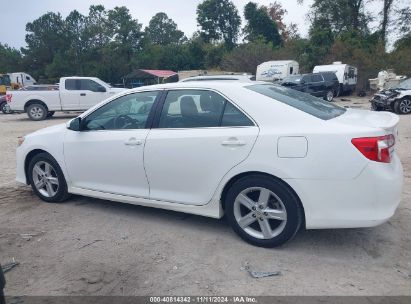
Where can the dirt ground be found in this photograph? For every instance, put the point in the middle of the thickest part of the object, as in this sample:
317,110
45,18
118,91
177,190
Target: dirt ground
94,247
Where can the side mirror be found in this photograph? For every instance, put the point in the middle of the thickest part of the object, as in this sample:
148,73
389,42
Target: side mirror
75,124
302,81
101,89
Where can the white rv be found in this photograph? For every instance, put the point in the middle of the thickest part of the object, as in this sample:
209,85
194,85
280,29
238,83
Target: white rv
276,70
22,79
346,74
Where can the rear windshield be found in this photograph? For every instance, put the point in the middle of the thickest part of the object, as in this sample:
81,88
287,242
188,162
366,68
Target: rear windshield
299,100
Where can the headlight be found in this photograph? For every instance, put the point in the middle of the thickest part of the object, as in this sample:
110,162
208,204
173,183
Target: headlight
20,141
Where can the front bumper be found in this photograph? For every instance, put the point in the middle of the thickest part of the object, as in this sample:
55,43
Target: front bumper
20,163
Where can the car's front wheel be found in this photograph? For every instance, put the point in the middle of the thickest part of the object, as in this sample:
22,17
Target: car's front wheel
329,95
403,106
263,211
46,178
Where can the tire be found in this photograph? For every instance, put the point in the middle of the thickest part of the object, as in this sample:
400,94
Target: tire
375,107
337,91
46,179
403,106
4,108
392,107
329,96
50,113
247,217
340,90
36,111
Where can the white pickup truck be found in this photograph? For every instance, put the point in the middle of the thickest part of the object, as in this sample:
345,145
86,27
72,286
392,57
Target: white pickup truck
73,94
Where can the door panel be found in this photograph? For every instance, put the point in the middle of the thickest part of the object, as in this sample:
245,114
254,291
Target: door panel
186,165
108,154
108,161
198,137
69,96
89,93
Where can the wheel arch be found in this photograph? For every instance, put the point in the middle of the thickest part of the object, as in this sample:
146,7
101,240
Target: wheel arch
29,157
33,101
239,176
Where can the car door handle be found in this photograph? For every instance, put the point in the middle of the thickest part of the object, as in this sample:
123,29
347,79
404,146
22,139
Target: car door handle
133,142
233,142
82,94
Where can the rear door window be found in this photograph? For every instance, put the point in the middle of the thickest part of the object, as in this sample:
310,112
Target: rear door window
200,109
299,100
72,84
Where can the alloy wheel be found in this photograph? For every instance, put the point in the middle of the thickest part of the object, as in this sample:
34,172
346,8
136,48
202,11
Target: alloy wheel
405,106
330,96
45,179
260,213
36,112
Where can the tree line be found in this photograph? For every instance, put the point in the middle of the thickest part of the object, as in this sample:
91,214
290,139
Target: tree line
110,43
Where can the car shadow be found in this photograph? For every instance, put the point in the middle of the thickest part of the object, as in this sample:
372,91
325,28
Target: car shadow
327,241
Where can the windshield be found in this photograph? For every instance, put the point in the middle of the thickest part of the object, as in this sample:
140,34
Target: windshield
5,80
299,100
406,85
294,79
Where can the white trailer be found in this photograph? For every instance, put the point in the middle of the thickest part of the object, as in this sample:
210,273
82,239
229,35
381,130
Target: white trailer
346,74
276,70
22,79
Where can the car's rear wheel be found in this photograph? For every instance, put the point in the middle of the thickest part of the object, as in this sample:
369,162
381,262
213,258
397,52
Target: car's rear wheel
36,111
263,211
4,108
403,106
47,179
329,96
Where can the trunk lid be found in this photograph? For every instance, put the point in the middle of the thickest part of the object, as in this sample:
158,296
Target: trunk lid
383,120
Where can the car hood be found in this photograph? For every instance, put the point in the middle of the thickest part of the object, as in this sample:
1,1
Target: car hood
385,120
49,130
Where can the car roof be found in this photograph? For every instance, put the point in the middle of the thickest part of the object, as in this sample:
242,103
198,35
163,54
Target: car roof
212,84
220,76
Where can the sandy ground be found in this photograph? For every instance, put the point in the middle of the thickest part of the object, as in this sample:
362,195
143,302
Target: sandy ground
94,247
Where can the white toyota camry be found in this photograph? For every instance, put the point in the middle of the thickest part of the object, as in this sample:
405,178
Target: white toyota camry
272,159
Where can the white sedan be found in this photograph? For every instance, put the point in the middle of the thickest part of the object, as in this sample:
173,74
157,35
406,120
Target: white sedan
274,160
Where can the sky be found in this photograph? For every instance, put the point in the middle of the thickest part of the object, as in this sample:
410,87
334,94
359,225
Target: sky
16,14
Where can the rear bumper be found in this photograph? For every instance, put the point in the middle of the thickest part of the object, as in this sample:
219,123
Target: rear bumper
369,200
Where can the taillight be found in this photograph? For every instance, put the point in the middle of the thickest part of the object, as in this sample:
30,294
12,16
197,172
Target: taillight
8,98
375,148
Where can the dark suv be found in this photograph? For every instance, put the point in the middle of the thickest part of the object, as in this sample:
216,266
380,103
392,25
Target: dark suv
324,84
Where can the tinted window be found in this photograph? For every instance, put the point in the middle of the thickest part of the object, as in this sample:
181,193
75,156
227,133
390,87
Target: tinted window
126,112
301,101
90,85
316,78
199,109
292,79
234,117
329,76
71,84
306,78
